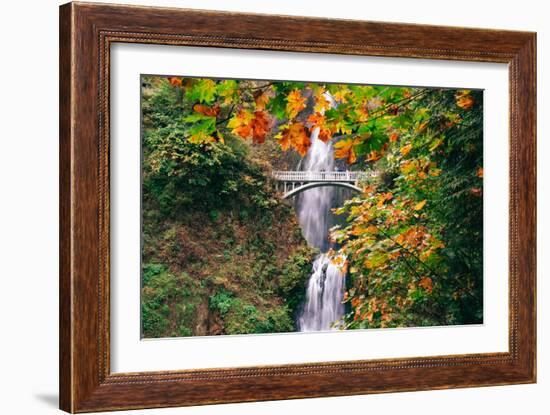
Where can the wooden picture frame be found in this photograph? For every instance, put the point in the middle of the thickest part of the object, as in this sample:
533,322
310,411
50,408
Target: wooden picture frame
86,33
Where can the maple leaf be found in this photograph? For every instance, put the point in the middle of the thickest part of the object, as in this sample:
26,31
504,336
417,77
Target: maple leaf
464,100
240,124
318,120
343,149
295,136
247,124
382,198
175,81
376,260
202,90
362,111
321,102
260,124
200,138
341,94
206,110
295,103
228,90
261,99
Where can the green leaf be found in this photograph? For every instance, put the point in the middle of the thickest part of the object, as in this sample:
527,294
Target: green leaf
192,118
206,126
228,90
203,90
277,106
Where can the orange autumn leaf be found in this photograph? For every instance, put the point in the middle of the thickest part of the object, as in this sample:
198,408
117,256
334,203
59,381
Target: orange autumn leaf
247,124
426,283
206,110
394,137
261,99
175,81
382,198
260,124
295,136
406,149
284,139
343,149
241,123
375,155
295,103
464,100
479,172
318,120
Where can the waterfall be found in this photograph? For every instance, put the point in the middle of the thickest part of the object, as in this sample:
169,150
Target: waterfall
323,304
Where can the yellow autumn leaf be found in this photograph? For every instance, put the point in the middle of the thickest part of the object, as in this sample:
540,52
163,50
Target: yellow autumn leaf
420,205
341,94
200,138
295,103
321,102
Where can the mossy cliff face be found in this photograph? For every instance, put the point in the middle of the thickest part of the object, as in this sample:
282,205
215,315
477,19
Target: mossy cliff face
228,275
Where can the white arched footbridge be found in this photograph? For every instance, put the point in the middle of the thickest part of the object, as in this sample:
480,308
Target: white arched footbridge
293,182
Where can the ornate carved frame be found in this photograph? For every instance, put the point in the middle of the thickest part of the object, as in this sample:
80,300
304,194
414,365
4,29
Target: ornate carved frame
86,33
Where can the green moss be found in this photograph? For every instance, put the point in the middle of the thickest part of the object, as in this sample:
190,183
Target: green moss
168,302
245,318
222,302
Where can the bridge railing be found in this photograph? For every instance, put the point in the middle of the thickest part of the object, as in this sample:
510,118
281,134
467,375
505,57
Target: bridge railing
320,176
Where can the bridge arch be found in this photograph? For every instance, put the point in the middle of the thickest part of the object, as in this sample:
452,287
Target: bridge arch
312,185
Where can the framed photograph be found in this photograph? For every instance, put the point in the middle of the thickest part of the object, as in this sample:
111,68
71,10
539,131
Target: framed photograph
260,207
